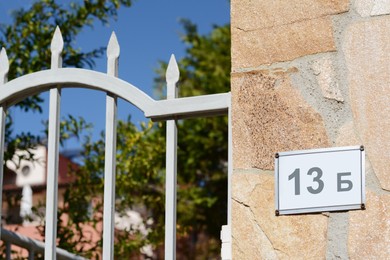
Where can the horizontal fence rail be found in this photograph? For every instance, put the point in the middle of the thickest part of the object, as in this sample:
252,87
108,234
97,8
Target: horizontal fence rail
32,246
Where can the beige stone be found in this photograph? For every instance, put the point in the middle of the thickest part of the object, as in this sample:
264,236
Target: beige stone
381,7
324,71
369,230
367,54
284,237
244,184
253,15
364,7
269,116
367,8
283,43
347,135
249,241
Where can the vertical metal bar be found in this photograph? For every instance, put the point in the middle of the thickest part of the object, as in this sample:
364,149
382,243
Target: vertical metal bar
226,231
52,153
52,174
31,254
230,175
109,178
171,166
230,165
4,67
110,154
170,190
8,250
3,115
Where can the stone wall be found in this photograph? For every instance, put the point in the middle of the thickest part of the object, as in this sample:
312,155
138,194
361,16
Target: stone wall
309,74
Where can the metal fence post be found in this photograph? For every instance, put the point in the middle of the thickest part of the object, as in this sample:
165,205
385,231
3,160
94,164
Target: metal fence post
8,250
113,51
172,77
52,153
4,67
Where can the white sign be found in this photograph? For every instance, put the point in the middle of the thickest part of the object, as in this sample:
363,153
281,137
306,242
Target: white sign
319,180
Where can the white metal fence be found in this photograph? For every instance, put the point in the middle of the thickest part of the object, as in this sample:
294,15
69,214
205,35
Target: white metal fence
171,109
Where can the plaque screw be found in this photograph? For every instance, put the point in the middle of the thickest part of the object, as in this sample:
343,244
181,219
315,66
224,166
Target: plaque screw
276,155
277,212
363,207
361,148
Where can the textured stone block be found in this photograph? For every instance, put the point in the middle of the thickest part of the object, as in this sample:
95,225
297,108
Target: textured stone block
347,135
253,15
249,241
369,230
282,43
364,7
259,234
367,8
326,77
367,47
269,116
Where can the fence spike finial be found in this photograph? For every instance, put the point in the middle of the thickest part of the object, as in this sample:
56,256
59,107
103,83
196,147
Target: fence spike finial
113,51
57,45
173,73
4,66
113,48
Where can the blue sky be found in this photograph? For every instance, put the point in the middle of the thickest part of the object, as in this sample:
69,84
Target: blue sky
147,32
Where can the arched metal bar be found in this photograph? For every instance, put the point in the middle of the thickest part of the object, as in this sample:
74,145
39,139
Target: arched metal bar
34,83
178,108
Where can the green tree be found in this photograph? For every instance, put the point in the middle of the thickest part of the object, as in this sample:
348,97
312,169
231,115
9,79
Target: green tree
27,41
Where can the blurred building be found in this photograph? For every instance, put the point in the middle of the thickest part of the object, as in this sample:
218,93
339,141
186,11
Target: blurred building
24,184
24,188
